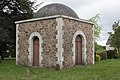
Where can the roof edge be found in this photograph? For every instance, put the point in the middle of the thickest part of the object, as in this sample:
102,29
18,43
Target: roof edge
55,16
36,19
82,20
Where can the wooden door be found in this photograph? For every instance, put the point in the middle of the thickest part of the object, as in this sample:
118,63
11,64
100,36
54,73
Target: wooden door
78,52
35,51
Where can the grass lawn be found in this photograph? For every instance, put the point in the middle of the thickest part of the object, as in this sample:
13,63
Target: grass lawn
103,70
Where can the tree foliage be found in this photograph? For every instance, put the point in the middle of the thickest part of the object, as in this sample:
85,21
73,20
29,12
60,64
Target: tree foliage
97,30
115,41
99,48
11,11
97,26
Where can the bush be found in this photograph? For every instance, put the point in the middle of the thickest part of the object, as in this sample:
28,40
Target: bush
116,56
110,54
97,57
115,51
103,56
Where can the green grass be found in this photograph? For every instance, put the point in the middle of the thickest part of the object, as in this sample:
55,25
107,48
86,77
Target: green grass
103,70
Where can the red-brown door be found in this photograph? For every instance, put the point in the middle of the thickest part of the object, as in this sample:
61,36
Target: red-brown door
78,52
35,51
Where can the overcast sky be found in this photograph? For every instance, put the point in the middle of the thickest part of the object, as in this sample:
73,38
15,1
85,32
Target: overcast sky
85,9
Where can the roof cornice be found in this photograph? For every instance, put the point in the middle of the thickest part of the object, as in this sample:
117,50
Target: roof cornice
51,17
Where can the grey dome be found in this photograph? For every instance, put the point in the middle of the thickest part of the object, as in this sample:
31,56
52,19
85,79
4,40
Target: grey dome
55,9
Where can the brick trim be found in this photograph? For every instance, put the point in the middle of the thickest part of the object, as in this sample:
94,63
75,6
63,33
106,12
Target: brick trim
93,60
59,38
17,45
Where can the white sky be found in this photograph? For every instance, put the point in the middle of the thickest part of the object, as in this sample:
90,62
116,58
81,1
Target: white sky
85,9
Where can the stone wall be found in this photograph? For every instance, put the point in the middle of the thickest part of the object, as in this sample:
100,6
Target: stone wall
69,29
47,30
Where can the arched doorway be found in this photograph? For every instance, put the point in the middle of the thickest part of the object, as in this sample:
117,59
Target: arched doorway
78,50
35,51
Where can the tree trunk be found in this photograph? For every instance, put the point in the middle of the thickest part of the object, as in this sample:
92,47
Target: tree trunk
2,56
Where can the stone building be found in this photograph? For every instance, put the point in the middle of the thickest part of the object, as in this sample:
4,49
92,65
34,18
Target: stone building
55,36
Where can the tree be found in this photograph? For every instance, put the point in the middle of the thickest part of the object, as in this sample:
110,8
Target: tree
115,41
97,30
11,11
97,27
115,25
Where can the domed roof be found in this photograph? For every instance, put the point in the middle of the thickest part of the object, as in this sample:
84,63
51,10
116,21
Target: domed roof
55,9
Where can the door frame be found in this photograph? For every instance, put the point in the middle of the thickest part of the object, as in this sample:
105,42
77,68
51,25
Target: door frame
84,49
30,48
78,47
36,51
